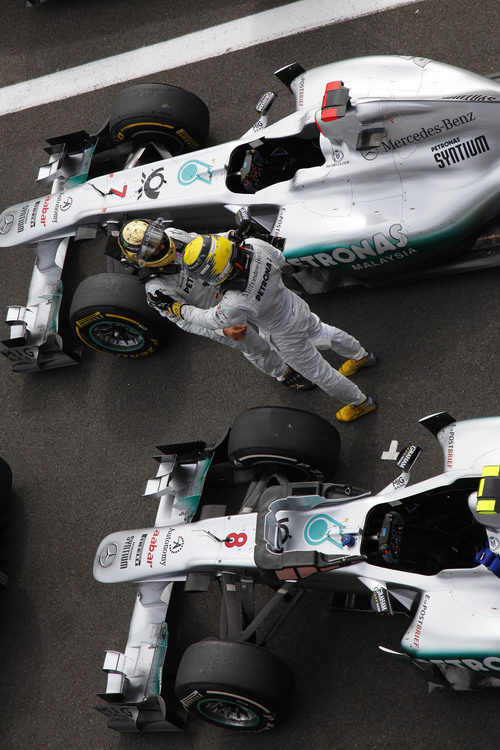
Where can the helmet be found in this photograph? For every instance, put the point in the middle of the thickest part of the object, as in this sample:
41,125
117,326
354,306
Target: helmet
210,258
144,243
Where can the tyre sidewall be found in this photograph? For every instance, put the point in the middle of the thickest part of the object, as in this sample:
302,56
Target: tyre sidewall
178,136
237,672
311,447
197,696
86,319
304,469
139,111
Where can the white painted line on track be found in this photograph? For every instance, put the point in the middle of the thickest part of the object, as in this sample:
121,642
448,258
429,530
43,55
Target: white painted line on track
294,18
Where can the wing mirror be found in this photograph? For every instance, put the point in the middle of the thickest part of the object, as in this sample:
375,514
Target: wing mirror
262,107
265,102
405,460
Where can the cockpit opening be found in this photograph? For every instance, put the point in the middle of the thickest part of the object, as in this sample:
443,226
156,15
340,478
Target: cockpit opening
267,161
426,533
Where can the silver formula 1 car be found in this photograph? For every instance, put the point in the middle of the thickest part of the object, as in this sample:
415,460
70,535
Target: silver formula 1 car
387,166
431,550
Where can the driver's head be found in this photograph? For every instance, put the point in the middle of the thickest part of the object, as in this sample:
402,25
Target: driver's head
210,257
144,243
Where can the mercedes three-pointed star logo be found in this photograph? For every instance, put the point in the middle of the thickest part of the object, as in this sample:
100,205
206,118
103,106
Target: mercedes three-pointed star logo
6,223
369,154
108,554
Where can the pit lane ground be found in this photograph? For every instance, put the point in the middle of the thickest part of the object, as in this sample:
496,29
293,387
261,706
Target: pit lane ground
80,440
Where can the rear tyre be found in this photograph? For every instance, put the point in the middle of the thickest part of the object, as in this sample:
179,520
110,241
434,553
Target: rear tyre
149,111
234,685
278,436
109,313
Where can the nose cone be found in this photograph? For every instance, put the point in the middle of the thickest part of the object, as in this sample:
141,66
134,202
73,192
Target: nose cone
127,556
107,558
40,219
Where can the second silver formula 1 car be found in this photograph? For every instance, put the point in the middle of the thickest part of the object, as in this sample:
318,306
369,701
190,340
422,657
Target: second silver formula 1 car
431,549
386,166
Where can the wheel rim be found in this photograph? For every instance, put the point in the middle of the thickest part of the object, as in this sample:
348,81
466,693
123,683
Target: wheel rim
228,712
115,336
142,137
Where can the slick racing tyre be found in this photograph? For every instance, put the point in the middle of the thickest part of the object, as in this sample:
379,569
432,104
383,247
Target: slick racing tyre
149,111
305,443
109,313
234,685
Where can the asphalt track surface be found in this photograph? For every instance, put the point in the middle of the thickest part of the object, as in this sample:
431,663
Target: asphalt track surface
80,440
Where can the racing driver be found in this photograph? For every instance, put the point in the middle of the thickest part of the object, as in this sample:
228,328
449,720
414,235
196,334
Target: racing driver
156,251
249,277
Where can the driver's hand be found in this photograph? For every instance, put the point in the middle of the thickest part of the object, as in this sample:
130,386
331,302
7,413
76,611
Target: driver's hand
164,302
159,299
237,333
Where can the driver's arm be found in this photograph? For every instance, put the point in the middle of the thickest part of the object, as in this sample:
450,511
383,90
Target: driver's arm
276,255
169,288
188,326
224,315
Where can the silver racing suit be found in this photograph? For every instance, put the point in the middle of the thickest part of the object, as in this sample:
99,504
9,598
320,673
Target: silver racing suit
294,330
183,288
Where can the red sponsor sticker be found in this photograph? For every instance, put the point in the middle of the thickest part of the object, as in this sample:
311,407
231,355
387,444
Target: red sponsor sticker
152,547
45,208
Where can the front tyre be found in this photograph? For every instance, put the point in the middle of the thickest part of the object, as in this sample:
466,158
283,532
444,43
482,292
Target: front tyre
146,111
234,685
110,331
275,436
109,313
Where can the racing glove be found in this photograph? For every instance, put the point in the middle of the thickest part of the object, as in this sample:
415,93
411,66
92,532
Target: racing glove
164,302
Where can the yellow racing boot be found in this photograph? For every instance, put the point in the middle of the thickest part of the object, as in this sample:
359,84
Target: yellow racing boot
351,366
349,413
